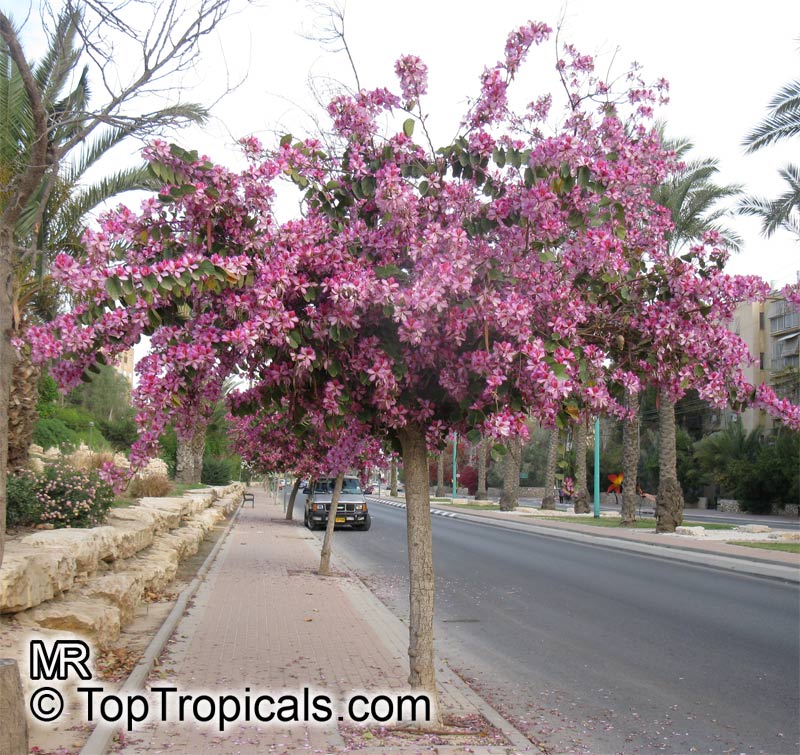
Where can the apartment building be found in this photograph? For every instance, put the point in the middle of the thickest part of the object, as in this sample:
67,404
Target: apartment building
771,329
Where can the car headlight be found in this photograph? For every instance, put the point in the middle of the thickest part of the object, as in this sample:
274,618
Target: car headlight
319,507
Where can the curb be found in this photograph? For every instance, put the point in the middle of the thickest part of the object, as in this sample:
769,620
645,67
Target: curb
395,633
101,737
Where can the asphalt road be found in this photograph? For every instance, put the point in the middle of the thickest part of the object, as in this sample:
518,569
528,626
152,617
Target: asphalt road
595,650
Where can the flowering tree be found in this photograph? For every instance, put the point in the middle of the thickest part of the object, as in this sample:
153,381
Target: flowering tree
422,291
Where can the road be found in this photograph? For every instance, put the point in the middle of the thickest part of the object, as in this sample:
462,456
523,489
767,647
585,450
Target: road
594,650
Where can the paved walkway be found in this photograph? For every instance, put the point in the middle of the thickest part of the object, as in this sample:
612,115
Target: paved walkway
264,619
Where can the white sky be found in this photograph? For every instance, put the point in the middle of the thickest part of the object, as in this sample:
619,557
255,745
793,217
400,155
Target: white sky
724,60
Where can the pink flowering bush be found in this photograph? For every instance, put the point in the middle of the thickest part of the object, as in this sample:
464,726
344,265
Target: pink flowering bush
62,496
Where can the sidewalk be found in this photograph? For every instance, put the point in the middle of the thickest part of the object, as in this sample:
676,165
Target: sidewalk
264,619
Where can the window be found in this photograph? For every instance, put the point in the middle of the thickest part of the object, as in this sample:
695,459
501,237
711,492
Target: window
761,322
761,361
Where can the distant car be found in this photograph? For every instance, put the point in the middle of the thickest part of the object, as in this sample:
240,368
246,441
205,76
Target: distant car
352,509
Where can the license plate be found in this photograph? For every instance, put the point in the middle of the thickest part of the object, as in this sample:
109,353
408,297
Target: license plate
340,520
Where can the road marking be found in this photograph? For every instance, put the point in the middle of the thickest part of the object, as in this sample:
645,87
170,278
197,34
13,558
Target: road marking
398,505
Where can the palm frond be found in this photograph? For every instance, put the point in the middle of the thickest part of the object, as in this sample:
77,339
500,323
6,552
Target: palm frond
88,198
787,98
779,125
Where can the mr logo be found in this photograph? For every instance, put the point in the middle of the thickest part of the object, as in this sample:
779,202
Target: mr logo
55,664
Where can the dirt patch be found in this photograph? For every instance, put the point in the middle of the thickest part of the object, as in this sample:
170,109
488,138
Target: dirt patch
458,731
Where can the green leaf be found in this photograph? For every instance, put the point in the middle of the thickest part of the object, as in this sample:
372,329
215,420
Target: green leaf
387,271
423,188
286,139
408,127
474,436
114,288
499,156
498,452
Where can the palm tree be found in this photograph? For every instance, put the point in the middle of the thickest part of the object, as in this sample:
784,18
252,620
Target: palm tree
692,198
53,219
548,500
630,461
783,212
509,498
781,122
581,503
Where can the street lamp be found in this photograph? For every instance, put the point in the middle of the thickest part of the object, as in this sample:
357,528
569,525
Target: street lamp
597,468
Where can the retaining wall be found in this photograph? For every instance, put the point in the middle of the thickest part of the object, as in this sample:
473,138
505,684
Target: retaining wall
90,581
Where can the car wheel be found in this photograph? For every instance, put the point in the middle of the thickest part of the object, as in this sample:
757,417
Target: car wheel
306,520
367,524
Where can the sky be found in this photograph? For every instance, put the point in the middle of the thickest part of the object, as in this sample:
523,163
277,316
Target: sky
724,62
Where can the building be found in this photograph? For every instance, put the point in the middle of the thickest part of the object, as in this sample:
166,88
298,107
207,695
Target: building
124,366
771,330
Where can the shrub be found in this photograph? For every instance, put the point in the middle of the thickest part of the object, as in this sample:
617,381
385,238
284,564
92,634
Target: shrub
150,486
71,497
22,505
216,472
51,431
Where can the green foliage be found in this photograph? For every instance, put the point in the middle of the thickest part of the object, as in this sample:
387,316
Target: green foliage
22,505
106,397
61,496
48,390
51,431
120,433
757,471
168,443
216,471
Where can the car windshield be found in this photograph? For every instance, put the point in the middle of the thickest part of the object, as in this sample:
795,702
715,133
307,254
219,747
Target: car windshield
350,485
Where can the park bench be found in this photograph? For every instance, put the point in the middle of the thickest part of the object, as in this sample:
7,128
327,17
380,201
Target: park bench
248,498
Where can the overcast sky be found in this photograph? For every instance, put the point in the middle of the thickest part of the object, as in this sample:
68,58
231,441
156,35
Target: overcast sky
724,62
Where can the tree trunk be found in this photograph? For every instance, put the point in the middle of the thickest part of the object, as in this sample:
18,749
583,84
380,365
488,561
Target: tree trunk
14,730
630,463
22,414
480,493
669,503
422,674
581,504
197,447
509,498
292,497
440,474
189,466
393,478
7,358
549,500
327,542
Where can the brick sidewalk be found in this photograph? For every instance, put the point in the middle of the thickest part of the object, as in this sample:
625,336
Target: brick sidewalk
264,619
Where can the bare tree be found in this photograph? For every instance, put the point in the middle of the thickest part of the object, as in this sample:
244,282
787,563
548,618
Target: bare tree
166,44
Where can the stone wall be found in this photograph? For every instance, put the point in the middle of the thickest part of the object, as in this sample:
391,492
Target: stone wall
728,505
89,581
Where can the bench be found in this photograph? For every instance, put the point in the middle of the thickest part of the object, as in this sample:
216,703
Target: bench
248,498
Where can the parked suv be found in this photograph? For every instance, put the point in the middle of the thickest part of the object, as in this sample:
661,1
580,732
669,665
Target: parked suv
352,508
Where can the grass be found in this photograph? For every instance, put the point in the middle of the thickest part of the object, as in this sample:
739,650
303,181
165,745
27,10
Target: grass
640,524
785,547
483,506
